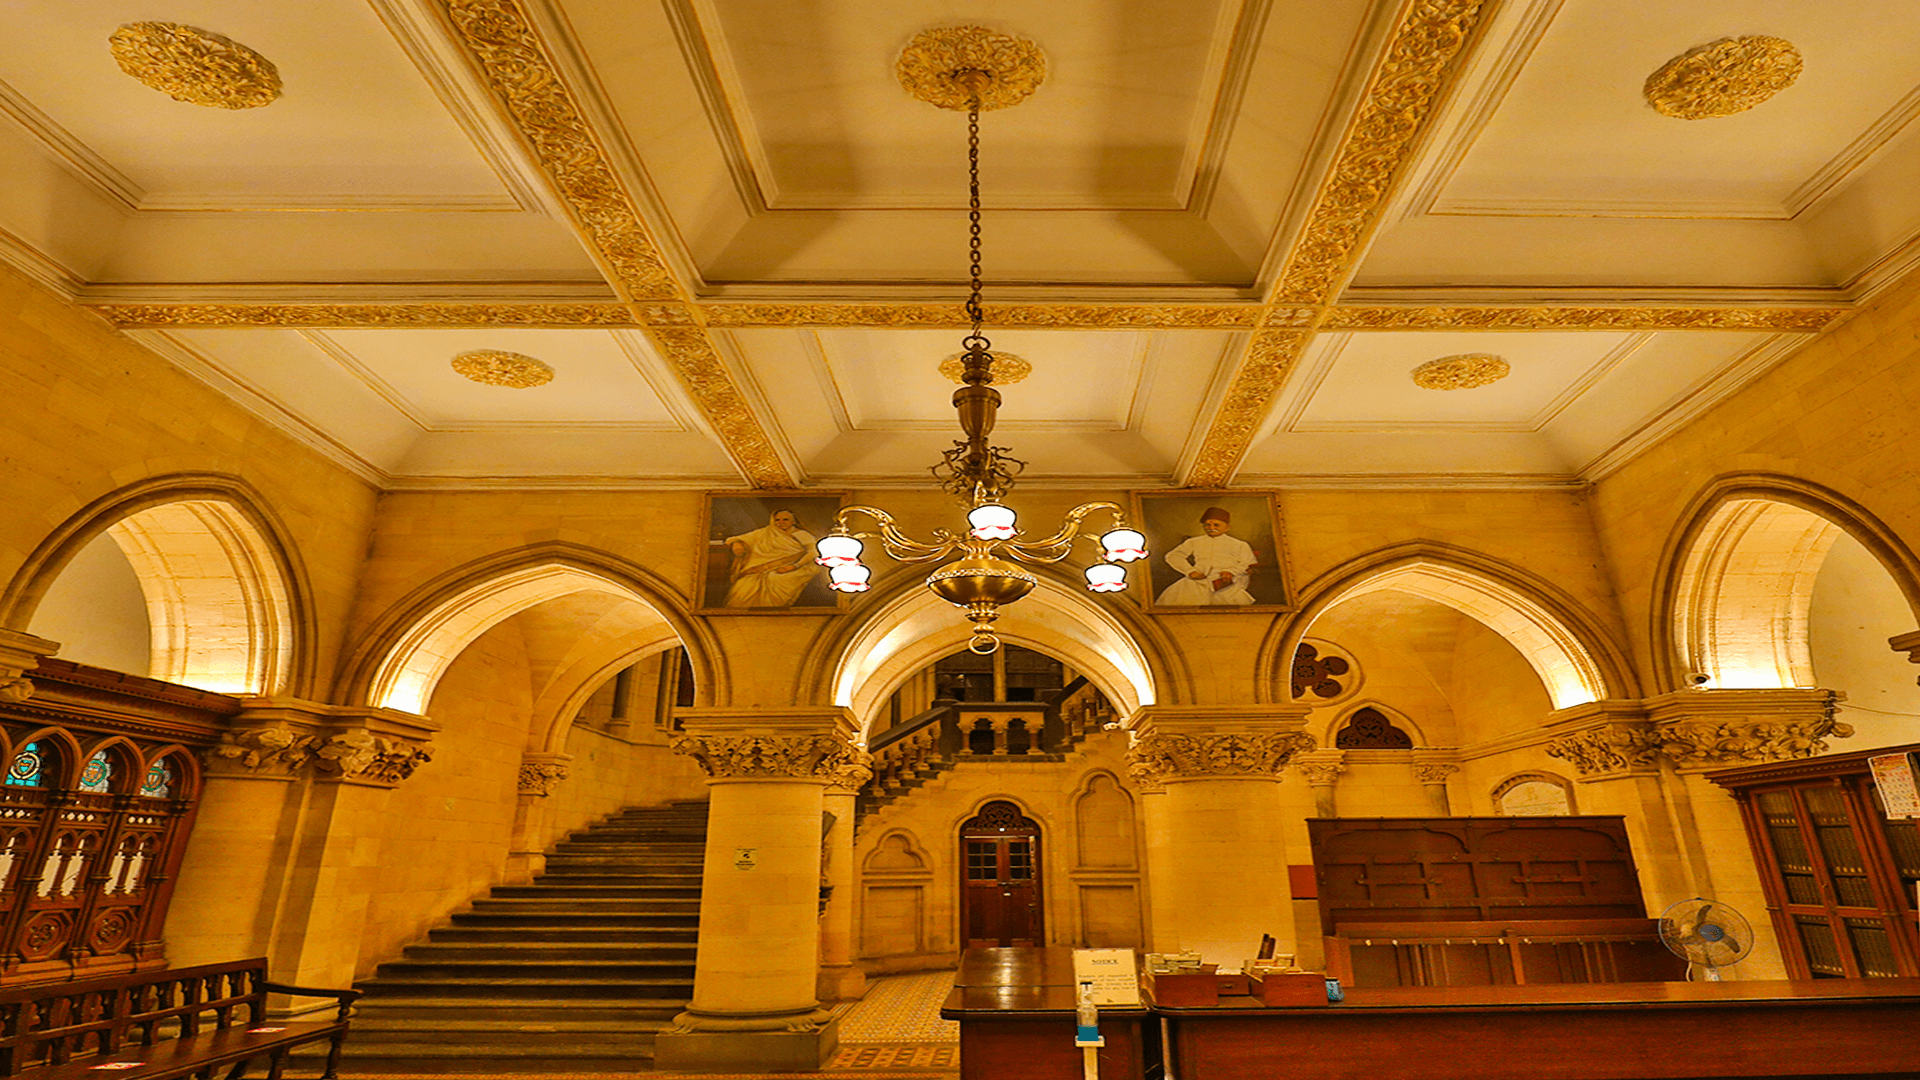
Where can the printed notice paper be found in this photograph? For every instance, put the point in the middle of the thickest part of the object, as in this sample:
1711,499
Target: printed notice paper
1112,973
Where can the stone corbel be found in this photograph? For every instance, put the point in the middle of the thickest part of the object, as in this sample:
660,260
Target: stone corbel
1604,740
289,737
19,654
540,774
1173,745
750,744
1714,729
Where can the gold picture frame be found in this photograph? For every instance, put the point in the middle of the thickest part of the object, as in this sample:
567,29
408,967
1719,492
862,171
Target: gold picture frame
748,565
1172,522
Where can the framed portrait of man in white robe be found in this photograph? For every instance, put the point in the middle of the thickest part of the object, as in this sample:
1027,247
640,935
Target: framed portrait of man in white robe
1213,551
758,555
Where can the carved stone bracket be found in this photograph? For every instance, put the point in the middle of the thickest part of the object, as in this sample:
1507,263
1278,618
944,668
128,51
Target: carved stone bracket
851,775
1434,774
1167,757
288,738
540,774
819,756
1696,730
1611,749
19,654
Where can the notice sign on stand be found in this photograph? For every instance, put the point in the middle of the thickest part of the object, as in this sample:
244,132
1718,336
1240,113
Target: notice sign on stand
1115,979
1894,775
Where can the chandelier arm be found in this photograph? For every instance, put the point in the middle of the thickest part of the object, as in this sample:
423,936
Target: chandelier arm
1063,540
899,546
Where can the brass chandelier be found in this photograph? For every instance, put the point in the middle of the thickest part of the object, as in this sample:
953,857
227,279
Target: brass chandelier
972,68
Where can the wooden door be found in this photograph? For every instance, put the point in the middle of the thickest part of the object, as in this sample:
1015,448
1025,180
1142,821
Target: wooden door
1834,901
1000,878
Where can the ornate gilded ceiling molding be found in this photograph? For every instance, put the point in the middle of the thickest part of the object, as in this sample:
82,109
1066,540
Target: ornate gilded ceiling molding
1392,317
1016,67
743,315
522,75
139,316
1726,77
1270,358
1398,102
690,352
196,66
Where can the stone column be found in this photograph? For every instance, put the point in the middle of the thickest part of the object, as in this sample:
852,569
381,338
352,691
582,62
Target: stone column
1322,769
1221,873
1431,767
283,857
540,776
839,979
755,1006
1162,935
1000,726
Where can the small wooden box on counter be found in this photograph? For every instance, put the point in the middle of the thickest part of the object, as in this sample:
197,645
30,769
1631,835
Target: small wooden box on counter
1291,988
1183,988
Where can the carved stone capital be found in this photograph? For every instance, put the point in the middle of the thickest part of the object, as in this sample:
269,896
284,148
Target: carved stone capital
850,776
1711,729
1609,749
1169,758
287,737
19,654
540,774
1322,767
817,756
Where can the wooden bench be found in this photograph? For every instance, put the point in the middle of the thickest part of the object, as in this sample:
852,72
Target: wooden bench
157,1025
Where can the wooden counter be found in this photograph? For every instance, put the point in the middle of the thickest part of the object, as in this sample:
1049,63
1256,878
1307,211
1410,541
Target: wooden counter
1607,1031
1015,1008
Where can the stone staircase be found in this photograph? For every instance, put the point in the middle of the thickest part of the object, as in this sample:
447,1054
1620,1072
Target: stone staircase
574,972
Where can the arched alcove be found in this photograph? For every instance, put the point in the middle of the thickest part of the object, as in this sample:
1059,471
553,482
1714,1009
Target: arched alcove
218,583
909,631
1573,659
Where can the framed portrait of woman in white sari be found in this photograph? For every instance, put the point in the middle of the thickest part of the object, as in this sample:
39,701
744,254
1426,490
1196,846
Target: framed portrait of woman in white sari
758,555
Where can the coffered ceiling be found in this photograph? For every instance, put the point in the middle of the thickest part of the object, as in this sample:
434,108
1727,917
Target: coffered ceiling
1223,232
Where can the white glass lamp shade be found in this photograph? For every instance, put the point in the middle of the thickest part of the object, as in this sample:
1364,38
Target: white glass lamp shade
991,521
1123,545
849,577
1106,577
838,549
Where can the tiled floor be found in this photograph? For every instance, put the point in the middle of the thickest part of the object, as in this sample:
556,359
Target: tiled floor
901,1009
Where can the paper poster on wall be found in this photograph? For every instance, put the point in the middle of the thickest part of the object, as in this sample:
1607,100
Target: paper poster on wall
1115,979
1893,775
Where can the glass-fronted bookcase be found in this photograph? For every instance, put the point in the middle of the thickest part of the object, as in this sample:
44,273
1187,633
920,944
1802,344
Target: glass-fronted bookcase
1840,875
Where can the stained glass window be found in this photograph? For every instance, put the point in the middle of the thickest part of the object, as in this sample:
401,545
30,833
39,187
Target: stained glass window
159,781
97,775
25,770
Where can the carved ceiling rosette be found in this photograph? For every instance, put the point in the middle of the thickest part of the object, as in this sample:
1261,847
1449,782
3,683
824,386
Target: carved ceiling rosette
1163,757
1710,744
1608,749
772,757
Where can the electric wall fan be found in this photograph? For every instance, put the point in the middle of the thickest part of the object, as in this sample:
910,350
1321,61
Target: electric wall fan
1707,935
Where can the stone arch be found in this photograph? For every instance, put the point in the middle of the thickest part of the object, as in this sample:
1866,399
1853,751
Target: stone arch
906,628
1519,795
554,710
1105,829
1393,716
1576,660
402,659
225,595
1736,580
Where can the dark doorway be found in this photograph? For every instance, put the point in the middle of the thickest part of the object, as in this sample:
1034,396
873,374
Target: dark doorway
1000,877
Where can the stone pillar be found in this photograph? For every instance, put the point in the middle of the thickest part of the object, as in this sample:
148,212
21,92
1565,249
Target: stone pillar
1000,725
540,776
1431,767
839,979
283,857
1322,769
1220,876
20,653
755,1006
1162,934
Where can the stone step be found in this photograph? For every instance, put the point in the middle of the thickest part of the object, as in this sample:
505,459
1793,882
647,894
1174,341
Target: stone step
565,933
568,906
508,950
610,892
440,1011
535,969
438,985
466,1058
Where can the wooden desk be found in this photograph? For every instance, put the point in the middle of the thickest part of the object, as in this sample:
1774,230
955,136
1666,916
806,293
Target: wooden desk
1610,1031
1015,1008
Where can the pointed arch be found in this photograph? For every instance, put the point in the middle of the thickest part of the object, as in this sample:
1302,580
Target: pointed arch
1576,660
225,593
401,660
555,708
905,628
1736,579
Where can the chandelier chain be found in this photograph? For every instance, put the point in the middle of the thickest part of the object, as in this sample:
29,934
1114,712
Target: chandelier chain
974,311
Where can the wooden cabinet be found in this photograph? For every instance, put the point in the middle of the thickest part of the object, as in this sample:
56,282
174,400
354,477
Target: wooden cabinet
1839,874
